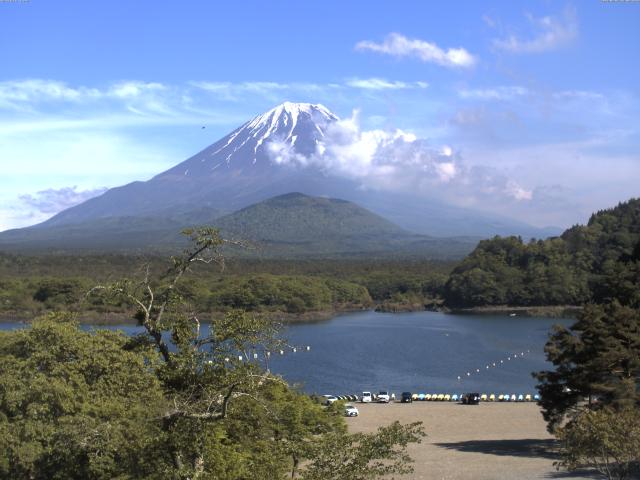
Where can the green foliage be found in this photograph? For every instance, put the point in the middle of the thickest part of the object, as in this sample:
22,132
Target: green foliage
76,404
363,456
595,262
295,294
58,291
607,440
597,358
62,283
171,403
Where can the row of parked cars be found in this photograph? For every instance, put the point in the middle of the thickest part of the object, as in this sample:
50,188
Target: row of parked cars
383,396
349,409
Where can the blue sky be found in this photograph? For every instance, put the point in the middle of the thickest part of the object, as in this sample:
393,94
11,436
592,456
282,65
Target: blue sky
536,102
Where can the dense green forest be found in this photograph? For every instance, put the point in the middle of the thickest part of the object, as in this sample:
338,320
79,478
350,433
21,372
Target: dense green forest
32,285
172,402
594,262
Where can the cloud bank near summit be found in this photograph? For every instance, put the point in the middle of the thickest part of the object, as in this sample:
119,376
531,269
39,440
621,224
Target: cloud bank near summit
397,160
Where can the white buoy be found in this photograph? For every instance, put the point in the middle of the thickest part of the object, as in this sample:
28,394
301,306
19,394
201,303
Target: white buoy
281,352
468,374
477,370
268,354
294,350
308,348
458,377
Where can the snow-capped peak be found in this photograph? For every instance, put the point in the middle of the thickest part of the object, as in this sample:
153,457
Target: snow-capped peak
297,127
289,113
300,125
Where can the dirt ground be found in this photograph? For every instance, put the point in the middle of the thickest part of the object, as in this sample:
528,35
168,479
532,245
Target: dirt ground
476,442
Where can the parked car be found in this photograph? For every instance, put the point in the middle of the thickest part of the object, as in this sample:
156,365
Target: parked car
383,396
406,397
367,397
350,410
329,399
471,399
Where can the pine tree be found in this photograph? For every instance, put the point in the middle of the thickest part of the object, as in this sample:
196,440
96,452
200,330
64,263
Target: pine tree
597,362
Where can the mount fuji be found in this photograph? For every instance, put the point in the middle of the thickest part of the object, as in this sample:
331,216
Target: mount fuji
247,167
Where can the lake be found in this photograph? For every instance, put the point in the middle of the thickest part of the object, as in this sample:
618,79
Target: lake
418,352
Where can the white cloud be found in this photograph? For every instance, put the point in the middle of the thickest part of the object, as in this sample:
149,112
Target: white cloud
549,32
16,94
579,95
446,150
382,84
446,171
516,191
489,21
495,93
135,89
399,161
52,200
398,45
37,168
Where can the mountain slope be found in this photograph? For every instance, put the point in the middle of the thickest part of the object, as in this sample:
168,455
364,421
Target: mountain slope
303,218
242,169
291,225
299,225
234,172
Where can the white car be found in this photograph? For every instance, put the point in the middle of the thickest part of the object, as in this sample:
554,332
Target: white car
367,397
383,396
329,399
350,410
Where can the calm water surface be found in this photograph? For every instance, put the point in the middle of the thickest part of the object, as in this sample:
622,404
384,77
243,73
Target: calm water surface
419,352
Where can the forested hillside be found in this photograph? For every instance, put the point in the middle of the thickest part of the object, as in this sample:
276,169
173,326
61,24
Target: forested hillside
32,285
593,262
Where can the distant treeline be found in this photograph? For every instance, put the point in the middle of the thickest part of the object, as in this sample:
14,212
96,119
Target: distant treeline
31,285
592,263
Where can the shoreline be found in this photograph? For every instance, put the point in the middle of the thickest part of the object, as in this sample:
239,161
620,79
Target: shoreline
317,316
550,311
110,319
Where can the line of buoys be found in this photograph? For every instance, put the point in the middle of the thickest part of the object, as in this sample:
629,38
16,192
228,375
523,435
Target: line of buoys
494,364
266,355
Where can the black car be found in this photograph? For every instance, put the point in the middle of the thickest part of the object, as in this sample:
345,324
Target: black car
406,397
471,399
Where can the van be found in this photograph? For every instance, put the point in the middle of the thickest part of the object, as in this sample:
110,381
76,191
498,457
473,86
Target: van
471,399
406,397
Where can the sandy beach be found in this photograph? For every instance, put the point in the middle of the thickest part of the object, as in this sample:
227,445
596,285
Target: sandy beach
481,442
